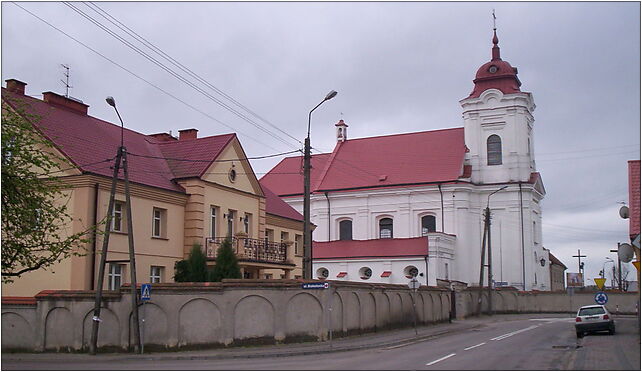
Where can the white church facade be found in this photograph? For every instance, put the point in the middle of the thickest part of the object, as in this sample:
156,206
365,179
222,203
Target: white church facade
392,207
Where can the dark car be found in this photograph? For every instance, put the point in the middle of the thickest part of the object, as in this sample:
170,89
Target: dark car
593,318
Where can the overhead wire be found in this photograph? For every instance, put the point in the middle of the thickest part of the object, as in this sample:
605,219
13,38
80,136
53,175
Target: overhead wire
143,79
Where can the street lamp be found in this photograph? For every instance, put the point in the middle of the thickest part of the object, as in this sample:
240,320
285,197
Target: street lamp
307,233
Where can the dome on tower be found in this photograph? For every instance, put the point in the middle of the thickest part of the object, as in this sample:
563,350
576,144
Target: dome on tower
496,74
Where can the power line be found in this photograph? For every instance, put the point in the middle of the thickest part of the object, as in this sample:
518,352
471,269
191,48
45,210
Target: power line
173,73
210,160
176,63
143,79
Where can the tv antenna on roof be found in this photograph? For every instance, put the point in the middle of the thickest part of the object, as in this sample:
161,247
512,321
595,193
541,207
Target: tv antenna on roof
66,82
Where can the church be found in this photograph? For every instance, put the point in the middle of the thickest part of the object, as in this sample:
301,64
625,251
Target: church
390,208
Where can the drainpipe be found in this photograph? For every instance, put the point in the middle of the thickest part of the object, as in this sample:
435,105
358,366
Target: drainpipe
442,206
93,244
328,199
521,218
426,260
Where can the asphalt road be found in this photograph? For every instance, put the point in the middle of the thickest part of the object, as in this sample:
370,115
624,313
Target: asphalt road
528,343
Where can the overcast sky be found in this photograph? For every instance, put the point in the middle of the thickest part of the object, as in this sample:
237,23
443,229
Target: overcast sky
398,67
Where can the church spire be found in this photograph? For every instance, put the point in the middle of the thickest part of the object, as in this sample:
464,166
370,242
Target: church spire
495,41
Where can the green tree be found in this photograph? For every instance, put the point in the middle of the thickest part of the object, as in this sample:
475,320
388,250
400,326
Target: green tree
35,218
194,269
227,265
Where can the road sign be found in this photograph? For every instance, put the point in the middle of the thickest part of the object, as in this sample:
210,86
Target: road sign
414,284
637,265
600,282
146,292
601,298
324,285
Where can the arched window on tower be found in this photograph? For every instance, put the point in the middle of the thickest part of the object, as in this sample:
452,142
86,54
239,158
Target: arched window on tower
494,149
385,228
428,225
345,230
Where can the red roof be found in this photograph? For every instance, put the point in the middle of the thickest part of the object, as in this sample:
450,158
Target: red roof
634,198
86,140
384,161
373,248
555,261
276,206
496,74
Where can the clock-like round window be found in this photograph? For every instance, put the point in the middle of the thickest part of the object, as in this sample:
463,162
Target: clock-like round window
232,175
492,69
365,273
323,273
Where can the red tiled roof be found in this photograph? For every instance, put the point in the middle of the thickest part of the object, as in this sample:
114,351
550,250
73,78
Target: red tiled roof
276,206
634,198
374,248
286,178
400,159
86,140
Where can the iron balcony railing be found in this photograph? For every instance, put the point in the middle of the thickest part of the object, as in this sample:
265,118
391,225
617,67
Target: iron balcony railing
250,249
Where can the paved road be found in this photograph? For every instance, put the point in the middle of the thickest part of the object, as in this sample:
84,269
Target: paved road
521,343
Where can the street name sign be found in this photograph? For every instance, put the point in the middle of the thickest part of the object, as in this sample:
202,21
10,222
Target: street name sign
146,292
324,285
601,298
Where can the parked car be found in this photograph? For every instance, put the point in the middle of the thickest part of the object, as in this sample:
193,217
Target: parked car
593,318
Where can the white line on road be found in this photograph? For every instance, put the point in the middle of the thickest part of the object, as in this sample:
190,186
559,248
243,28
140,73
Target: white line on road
440,359
472,347
513,333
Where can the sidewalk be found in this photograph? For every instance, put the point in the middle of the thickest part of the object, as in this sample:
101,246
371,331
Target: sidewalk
387,338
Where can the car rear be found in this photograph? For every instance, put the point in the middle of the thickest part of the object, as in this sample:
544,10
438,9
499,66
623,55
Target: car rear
592,319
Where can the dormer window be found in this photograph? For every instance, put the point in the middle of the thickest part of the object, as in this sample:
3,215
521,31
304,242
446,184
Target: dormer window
494,150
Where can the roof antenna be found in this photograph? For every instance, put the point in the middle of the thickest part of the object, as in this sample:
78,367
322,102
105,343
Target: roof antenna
66,83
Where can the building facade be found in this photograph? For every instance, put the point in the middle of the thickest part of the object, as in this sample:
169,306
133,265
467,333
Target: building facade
434,184
184,191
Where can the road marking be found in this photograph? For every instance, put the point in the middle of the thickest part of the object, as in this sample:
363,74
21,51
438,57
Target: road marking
550,320
513,333
472,347
440,359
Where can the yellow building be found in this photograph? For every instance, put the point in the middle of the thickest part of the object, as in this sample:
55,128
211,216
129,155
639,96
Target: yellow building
184,190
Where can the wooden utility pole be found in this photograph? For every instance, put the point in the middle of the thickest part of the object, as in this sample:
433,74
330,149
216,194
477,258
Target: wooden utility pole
490,264
481,270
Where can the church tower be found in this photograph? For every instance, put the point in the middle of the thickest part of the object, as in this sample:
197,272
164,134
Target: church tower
498,124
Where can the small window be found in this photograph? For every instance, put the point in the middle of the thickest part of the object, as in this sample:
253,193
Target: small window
247,220
115,276
158,222
494,149
298,243
365,273
155,274
322,273
117,217
231,215
345,230
385,228
213,213
284,236
411,272
269,235
428,225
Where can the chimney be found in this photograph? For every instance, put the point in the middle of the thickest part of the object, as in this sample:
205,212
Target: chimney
342,131
16,86
187,134
63,102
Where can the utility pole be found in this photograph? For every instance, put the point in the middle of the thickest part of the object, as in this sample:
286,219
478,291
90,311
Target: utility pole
580,266
307,232
490,265
121,157
481,269
619,268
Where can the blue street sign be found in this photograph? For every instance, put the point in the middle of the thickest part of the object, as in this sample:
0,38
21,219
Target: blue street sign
146,292
601,298
316,285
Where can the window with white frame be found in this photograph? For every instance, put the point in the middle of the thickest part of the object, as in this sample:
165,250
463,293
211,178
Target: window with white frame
494,150
117,217
115,276
247,220
428,224
298,244
231,215
159,222
155,274
345,230
284,236
213,214
385,228
269,235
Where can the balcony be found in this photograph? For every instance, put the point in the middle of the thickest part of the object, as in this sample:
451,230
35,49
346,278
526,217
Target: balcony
247,249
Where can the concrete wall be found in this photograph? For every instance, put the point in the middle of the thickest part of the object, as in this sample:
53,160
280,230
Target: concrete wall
211,314
514,301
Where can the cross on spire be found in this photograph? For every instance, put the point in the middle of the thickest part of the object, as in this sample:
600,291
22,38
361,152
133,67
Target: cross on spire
494,18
